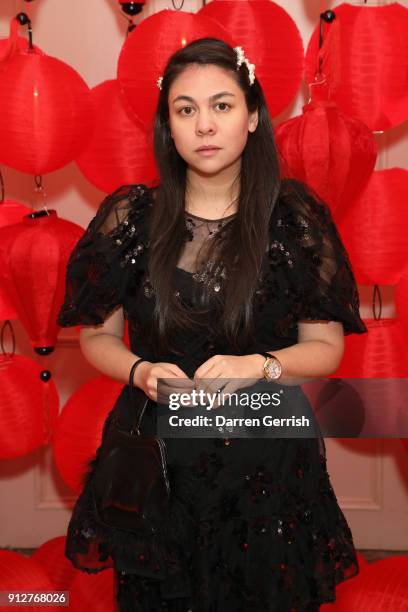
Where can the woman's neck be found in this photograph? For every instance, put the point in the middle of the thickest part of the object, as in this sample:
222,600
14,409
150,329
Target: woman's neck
211,197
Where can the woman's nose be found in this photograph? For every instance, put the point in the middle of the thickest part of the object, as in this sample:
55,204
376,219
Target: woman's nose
205,124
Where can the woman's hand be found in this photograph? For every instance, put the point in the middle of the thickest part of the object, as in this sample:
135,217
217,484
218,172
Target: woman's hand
245,370
147,373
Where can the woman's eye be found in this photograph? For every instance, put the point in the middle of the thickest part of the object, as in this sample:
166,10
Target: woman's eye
225,106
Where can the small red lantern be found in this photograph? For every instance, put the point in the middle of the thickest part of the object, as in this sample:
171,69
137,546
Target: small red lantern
34,254
147,50
333,153
374,228
366,63
28,406
271,40
119,152
45,113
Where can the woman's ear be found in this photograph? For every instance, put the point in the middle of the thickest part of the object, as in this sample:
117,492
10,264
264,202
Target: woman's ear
253,121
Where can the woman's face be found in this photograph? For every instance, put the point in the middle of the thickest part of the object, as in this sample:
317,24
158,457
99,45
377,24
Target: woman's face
207,107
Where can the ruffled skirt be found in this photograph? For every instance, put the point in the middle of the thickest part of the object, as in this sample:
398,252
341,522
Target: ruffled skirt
253,524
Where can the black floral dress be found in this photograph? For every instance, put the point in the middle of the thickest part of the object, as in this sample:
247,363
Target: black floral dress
253,524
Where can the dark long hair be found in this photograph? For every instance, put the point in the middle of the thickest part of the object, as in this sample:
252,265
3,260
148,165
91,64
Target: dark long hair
244,243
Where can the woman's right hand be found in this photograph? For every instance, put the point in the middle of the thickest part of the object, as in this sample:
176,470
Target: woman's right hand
146,375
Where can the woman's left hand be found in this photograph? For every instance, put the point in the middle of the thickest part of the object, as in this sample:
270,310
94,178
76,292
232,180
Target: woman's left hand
244,370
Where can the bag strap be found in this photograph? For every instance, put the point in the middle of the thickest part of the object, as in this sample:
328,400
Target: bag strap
138,418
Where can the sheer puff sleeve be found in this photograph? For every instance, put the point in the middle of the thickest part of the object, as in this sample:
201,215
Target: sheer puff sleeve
100,266
315,276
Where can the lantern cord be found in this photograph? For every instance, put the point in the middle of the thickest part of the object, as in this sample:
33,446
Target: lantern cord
2,187
7,322
24,19
39,188
377,292
178,8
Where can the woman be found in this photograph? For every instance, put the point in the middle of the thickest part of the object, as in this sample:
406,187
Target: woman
217,267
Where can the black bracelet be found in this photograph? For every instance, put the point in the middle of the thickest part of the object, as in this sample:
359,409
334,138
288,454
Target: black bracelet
132,371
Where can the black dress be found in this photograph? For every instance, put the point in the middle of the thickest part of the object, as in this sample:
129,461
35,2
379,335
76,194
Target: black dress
253,524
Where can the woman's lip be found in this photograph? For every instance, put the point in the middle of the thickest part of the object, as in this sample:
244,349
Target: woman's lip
208,151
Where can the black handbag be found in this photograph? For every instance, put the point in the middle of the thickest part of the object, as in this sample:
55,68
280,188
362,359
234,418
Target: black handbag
130,484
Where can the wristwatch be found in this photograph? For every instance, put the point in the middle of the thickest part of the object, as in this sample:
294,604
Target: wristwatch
272,368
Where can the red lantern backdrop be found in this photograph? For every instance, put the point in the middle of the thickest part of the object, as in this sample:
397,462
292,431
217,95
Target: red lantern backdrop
147,49
382,586
19,573
368,69
374,228
34,255
10,212
59,569
7,50
45,113
93,592
79,428
401,300
119,152
381,353
28,406
271,41
333,153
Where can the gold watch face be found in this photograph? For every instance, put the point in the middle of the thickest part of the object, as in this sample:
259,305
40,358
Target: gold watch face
272,368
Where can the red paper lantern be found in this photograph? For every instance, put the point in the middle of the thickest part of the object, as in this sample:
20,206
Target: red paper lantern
59,569
366,62
94,592
79,428
19,573
271,40
9,48
374,228
34,255
381,353
119,151
147,50
382,586
10,212
333,153
28,406
45,113
401,299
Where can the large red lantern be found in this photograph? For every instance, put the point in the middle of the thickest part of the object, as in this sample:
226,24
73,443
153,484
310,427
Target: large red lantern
45,113
59,569
333,153
28,406
19,573
374,228
401,300
382,586
79,427
271,40
34,254
119,152
366,63
147,50
94,592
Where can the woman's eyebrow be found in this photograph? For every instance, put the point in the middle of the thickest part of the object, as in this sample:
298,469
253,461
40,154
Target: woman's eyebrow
211,98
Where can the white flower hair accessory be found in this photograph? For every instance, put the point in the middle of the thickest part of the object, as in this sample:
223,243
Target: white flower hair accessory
240,60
